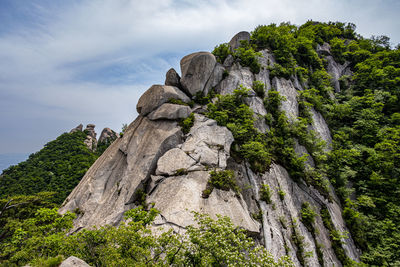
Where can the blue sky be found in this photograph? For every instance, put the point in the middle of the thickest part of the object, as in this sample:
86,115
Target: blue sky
63,63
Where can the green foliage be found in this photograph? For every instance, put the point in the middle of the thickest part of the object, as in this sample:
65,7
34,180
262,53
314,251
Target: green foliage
336,238
258,156
58,167
221,52
177,102
187,123
247,57
265,193
41,241
308,216
224,180
259,88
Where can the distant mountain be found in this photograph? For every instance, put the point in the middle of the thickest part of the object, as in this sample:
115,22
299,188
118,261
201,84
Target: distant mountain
58,167
8,159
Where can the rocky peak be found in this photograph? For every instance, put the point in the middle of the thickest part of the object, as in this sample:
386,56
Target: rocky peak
234,43
107,134
77,129
155,158
90,130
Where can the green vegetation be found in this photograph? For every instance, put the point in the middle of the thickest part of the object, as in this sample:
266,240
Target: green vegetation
187,123
42,240
364,120
308,216
265,193
224,180
58,167
259,88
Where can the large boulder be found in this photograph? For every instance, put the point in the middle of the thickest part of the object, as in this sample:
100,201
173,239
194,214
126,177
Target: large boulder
208,143
173,161
178,196
234,43
196,70
172,78
157,95
170,111
73,262
107,134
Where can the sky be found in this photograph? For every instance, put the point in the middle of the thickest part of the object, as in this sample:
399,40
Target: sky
63,63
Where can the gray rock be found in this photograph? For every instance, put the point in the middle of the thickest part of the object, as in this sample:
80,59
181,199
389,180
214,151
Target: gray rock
90,130
228,62
279,216
336,71
196,70
110,186
170,112
267,58
234,43
73,262
172,161
172,78
107,134
157,95
319,125
90,142
176,197
237,76
215,78
77,129
208,143
286,89
263,76
324,50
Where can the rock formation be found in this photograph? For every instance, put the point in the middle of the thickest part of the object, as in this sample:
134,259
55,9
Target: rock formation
106,136
155,158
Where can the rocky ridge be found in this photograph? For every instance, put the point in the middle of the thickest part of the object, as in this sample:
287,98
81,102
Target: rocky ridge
106,136
154,158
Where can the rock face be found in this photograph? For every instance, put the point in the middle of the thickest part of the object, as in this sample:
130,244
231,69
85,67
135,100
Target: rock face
196,70
107,134
77,129
73,262
172,78
158,95
172,168
235,41
91,141
112,184
170,112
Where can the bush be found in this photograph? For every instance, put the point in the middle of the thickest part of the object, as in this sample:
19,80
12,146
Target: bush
221,52
187,123
308,216
257,155
259,88
265,193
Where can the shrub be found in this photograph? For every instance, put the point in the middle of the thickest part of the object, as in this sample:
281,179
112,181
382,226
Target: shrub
259,88
187,123
308,216
223,180
257,155
265,193
221,52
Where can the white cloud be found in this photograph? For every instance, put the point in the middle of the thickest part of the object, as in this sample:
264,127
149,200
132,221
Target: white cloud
61,62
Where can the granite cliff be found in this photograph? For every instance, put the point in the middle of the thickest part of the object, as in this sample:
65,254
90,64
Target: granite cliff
160,163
